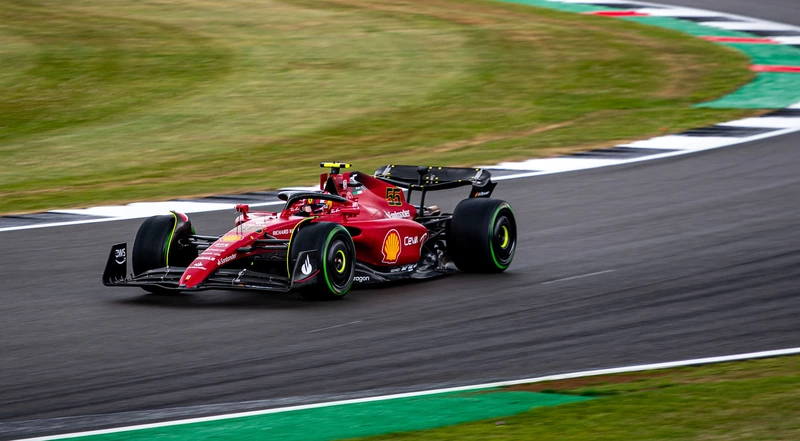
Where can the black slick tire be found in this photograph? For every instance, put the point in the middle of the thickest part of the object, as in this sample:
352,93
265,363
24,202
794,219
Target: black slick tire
156,246
482,237
336,259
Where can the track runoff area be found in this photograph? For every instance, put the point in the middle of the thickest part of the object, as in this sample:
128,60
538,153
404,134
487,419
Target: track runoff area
775,50
773,47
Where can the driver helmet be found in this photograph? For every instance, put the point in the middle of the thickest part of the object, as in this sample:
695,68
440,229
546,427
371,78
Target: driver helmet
316,206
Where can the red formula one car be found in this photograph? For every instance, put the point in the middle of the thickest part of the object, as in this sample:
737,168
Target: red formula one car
357,229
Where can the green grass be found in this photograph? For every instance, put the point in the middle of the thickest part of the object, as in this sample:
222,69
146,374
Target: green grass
753,400
112,101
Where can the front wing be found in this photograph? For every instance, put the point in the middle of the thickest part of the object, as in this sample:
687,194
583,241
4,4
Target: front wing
168,278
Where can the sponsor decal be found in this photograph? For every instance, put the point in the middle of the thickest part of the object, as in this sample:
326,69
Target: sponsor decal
230,238
281,232
402,214
306,268
391,246
414,240
252,227
205,258
120,256
226,259
361,279
199,266
480,194
404,268
393,196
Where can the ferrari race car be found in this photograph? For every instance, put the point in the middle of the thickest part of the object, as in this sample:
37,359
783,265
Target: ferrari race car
357,228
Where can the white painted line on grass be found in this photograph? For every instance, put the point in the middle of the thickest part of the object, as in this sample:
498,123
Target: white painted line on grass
776,122
683,142
334,326
561,164
578,277
590,373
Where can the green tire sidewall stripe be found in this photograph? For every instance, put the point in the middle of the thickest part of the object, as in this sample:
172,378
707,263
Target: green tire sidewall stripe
491,236
169,238
325,261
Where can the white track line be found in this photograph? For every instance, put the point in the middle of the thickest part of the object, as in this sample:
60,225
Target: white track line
578,277
619,370
677,142
134,215
334,326
749,25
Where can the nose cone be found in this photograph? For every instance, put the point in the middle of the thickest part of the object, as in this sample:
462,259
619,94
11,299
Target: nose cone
218,254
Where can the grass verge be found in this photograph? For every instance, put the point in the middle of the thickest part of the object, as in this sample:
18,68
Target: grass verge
112,101
750,400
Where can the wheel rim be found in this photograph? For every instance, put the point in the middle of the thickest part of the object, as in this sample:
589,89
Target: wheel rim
340,262
504,238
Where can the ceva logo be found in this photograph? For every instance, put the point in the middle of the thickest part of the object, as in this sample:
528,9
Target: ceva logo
391,247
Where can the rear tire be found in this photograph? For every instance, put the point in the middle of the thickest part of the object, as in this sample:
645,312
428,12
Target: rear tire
482,237
337,259
156,246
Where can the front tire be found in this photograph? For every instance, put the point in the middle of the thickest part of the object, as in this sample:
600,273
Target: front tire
483,235
336,254
157,246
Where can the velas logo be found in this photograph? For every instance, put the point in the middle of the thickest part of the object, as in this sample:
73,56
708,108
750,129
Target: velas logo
391,247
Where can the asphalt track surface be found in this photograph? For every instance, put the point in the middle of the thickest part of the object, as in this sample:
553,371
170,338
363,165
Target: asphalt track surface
687,257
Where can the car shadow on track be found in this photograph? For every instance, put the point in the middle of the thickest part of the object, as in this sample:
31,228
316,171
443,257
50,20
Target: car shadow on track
222,299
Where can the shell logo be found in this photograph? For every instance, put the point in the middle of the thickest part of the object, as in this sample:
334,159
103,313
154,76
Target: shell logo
391,247
230,238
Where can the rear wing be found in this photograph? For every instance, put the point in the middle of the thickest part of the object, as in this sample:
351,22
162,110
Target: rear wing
425,178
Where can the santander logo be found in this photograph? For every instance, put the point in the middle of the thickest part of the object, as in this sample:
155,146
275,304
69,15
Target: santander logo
225,260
